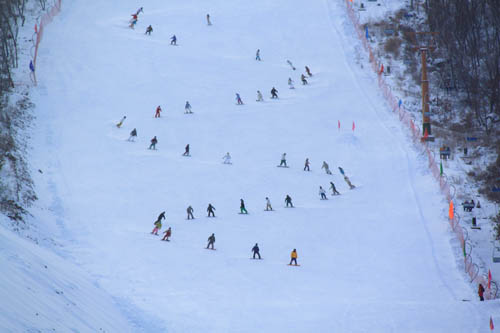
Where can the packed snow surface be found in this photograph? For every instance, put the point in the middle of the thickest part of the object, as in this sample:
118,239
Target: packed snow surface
377,258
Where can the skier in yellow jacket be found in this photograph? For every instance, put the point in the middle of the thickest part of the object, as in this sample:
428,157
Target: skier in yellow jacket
293,257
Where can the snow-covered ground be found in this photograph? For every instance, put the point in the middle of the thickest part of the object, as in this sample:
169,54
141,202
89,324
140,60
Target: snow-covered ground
378,258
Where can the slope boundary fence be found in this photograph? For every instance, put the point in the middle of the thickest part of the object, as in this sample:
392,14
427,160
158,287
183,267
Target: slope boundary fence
472,269
45,19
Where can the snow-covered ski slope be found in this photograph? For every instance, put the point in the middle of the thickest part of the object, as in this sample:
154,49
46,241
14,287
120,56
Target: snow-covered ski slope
378,258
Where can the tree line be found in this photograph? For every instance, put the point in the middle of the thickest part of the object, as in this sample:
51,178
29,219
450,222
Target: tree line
469,40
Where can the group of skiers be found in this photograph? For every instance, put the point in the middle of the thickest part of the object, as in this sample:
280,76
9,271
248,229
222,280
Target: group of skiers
307,167
227,158
211,239
274,91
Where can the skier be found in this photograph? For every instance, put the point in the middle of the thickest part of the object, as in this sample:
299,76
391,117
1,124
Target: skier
227,158
255,250
268,204
308,71
208,20
341,171
211,241
322,193
133,135
210,210
167,233
326,167
133,22
186,152
121,122
334,190
238,99
149,30
134,17
157,113
173,40
274,93
303,79
257,55
156,228
290,63
290,83
283,160
306,165
349,182
293,257
190,211
154,141
161,216
243,210
288,201
140,10
259,96
480,292
187,108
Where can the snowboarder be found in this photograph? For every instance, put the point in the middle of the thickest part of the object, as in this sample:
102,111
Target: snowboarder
268,204
480,292
257,55
288,201
326,167
259,96
227,158
173,40
293,257
243,210
290,63
158,111
322,193
290,83
334,190
283,160
210,210
211,241
133,22
121,122
190,211
149,30
154,141
161,216
208,20
186,152
274,93
156,228
140,10
306,165
303,79
349,182
133,135
167,233
255,250
187,108
308,71
341,171
238,99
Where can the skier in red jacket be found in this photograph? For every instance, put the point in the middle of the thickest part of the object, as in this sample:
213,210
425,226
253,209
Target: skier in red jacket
158,110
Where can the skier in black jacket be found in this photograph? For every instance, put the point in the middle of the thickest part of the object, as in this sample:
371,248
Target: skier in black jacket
255,251
211,241
210,210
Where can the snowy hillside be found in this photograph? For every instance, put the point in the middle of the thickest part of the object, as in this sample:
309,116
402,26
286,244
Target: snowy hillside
376,258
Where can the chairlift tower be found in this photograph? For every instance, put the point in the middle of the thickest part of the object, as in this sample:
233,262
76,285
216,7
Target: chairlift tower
424,42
